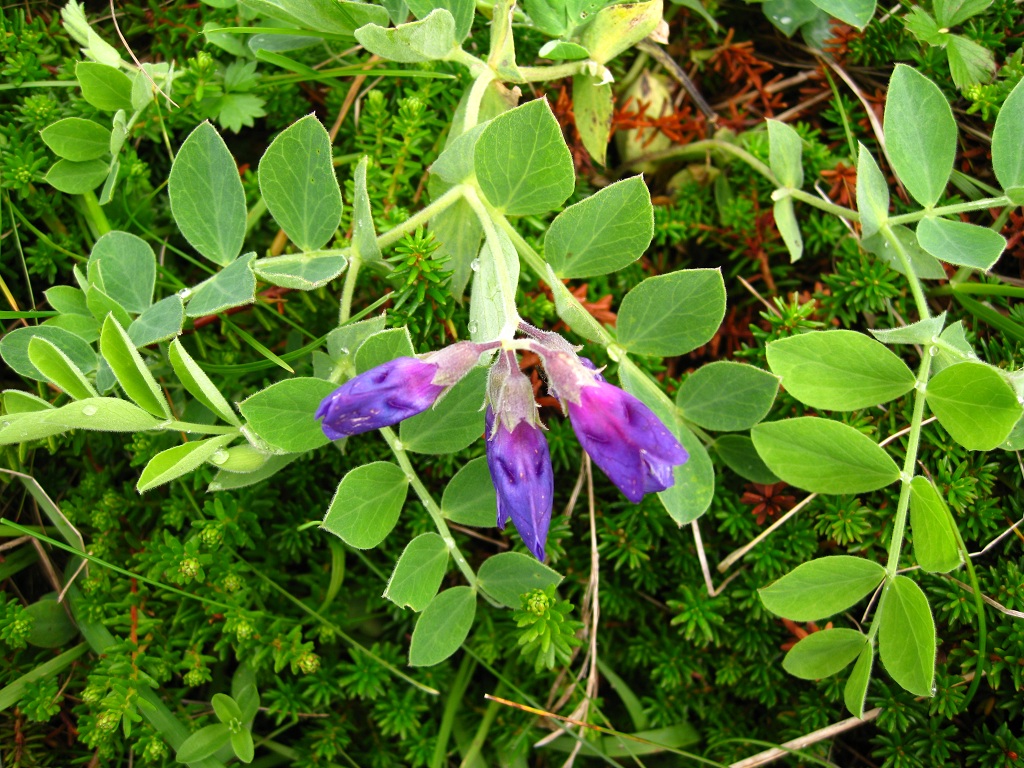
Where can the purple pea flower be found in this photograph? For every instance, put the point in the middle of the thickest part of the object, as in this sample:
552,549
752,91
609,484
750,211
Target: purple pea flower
517,455
622,435
396,390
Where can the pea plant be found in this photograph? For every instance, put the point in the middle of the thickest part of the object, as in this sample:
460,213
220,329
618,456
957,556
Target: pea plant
123,361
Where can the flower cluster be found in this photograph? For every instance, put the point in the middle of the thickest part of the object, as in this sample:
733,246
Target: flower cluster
620,434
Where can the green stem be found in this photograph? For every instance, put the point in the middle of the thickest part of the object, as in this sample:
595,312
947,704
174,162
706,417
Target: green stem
913,442
428,501
979,289
349,288
451,707
908,270
947,210
526,252
554,72
476,96
824,205
490,715
94,215
392,236
979,669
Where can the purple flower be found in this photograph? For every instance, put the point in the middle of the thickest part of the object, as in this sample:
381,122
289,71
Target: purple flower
396,390
380,397
625,439
523,479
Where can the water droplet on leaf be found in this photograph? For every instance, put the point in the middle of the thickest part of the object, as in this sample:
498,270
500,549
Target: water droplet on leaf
90,410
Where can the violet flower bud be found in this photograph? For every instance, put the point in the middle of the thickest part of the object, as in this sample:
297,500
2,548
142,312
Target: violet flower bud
625,439
517,455
396,390
521,471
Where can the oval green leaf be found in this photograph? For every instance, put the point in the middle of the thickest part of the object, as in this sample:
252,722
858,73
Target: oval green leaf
509,575
906,636
823,654
823,456
821,588
367,503
739,455
672,314
469,498
975,404
960,243
931,524
179,460
58,368
418,572
453,423
443,627
839,370
75,138
131,372
727,397
282,414
1007,147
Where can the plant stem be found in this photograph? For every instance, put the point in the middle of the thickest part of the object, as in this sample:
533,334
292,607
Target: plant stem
908,269
420,218
554,72
349,288
947,210
913,442
428,501
451,707
476,95
824,205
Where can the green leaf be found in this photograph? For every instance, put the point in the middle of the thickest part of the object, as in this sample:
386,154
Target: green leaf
77,178
74,138
592,102
672,314
922,263
617,27
785,221
823,456
926,29
952,13
430,39
226,481
960,243
522,163
462,12
469,497
418,572
83,326
101,305
106,88
242,745
455,163
785,154
839,370
240,458
906,636
454,422
51,627
198,384
603,233
690,495
922,332
489,314
739,455
58,368
207,200
931,525
335,18
225,708
160,322
1015,442
872,193
67,300
366,505
920,134
856,689
823,654
16,401
123,266
458,232
975,405
14,349
301,271
856,13
364,237
726,396
382,347
561,50
298,184
282,414
131,372
789,15
821,588
509,575
443,627
1007,148
101,414
179,460
970,63
233,286
203,743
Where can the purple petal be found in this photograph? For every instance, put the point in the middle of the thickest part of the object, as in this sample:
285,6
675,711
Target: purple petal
626,440
380,397
520,467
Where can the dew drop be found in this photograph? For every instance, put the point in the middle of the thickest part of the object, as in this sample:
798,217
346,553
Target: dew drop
343,351
184,293
785,20
473,326
5,424
90,410
399,446
215,487
475,265
933,351
219,457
